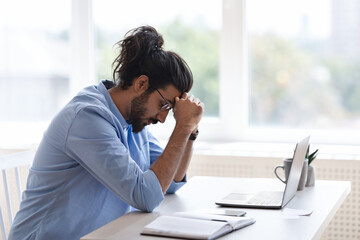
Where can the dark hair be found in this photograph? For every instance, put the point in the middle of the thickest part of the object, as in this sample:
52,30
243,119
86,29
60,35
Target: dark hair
142,54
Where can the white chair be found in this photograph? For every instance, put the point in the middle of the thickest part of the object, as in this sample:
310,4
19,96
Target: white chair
7,162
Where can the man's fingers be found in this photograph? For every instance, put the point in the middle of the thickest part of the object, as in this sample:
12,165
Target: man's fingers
184,95
191,98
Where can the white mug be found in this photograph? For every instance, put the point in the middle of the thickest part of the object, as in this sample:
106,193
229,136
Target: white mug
287,166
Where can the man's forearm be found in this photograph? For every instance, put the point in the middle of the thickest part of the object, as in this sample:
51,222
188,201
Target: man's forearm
182,169
167,165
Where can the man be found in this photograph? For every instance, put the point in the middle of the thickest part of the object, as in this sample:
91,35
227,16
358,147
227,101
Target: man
97,160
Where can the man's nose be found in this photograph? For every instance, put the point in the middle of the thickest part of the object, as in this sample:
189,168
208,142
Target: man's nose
162,116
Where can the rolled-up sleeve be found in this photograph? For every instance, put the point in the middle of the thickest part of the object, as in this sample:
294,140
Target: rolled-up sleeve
174,186
92,142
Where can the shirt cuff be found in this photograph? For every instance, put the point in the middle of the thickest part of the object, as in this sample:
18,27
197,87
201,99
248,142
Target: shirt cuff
174,186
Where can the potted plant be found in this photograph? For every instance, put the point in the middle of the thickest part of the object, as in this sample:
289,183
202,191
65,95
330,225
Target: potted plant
310,181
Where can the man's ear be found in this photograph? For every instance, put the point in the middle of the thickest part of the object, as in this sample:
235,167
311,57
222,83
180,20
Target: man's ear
141,84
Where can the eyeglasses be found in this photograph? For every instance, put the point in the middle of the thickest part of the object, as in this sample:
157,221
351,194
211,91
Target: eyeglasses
167,106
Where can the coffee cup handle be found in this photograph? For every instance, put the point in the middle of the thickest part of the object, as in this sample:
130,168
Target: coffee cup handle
277,174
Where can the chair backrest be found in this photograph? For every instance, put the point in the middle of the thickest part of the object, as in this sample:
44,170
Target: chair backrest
8,162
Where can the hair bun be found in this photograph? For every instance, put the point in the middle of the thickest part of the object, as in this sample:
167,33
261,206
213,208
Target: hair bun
159,43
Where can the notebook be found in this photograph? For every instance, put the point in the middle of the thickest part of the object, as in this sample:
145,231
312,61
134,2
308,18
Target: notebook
272,199
194,225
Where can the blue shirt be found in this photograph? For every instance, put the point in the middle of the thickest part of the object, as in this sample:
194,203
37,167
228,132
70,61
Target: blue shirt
89,169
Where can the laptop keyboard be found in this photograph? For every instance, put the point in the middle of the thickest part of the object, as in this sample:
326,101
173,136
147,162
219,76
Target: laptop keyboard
269,198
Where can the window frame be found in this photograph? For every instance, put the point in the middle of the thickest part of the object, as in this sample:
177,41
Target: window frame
232,123
82,73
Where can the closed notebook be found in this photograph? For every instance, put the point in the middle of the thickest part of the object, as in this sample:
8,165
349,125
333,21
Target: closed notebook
193,225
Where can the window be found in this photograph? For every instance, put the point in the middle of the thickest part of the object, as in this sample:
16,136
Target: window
34,59
303,65
34,63
288,69
266,70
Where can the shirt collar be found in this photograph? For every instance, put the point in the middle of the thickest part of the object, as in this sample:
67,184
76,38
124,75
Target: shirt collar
103,87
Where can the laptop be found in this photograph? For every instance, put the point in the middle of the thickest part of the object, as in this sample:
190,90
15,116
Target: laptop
272,199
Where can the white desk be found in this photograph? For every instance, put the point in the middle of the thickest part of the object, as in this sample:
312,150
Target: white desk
201,192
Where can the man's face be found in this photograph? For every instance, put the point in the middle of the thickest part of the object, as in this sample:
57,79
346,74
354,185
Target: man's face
138,111
148,108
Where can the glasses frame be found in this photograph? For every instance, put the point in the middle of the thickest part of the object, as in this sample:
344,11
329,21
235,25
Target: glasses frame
167,106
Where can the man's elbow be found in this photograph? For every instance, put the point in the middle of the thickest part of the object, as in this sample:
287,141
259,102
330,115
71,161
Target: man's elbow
150,206
150,201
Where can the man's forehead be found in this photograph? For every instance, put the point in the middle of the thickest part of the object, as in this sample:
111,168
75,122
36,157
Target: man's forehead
171,92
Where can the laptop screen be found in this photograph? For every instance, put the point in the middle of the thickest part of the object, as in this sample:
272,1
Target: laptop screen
295,171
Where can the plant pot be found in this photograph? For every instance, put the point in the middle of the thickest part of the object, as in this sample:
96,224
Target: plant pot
303,177
310,181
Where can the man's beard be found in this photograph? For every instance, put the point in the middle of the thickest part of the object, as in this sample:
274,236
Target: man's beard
138,111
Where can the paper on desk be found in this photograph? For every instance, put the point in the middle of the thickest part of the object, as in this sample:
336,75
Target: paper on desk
296,212
223,211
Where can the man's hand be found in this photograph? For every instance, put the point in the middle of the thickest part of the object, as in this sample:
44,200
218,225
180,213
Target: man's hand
174,161
188,111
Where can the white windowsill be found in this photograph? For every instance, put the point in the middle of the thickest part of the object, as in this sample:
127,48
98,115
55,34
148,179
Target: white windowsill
274,150
27,136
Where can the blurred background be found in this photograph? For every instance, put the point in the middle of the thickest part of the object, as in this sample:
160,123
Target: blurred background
301,58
